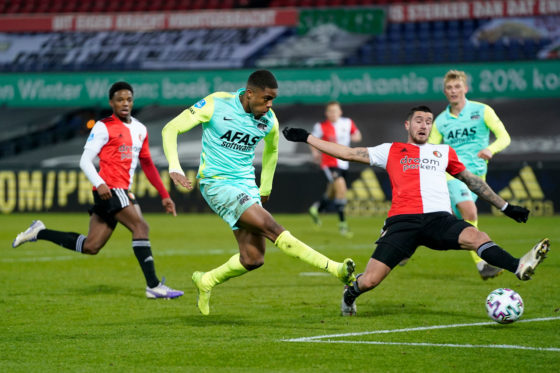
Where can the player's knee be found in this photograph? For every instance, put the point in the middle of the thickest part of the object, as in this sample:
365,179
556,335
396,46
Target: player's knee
252,263
142,229
471,238
91,248
255,265
482,237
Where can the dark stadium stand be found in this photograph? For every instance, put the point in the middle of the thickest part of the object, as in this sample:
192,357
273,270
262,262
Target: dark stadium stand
402,43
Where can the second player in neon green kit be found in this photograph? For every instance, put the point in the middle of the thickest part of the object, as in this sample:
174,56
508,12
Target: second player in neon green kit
232,126
466,126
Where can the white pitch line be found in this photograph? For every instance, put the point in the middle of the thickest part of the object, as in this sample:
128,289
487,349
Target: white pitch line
424,344
107,254
387,331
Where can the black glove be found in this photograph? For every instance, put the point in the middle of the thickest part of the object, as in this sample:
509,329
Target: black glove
295,134
518,213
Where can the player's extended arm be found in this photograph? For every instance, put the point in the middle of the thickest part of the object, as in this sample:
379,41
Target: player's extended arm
180,124
499,130
269,161
483,190
316,155
336,150
188,119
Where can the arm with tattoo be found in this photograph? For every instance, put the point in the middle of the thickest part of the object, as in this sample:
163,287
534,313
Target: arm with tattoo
479,186
340,151
518,213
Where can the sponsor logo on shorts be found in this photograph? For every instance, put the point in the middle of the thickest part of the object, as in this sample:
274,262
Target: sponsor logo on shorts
242,198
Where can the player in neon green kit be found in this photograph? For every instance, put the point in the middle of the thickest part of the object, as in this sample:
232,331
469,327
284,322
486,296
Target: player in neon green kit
466,126
232,126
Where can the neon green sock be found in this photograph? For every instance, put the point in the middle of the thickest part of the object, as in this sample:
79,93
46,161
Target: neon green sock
297,249
474,256
231,268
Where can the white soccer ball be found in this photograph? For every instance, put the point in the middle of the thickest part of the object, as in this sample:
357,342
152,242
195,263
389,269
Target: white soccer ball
504,305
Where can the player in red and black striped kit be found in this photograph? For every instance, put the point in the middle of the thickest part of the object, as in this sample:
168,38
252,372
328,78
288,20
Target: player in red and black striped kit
121,142
341,130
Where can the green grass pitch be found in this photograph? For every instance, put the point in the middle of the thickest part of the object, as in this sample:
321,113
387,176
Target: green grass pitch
63,311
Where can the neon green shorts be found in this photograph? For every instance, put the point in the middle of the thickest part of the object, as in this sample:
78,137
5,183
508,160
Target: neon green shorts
230,198
459,192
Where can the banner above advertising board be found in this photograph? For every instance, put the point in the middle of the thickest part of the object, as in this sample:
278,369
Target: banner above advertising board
435,11
358,20
150,21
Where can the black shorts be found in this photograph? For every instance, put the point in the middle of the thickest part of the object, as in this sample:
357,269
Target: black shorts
402,234
333,173
107,208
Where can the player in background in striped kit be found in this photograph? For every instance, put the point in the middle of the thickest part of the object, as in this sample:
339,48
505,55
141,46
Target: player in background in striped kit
121,142
341,130
420,213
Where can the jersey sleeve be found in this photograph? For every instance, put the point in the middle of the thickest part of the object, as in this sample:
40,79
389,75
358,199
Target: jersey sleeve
269,159
145,151
454,165
317,131
353,127
498,129
98,137
435,136
150,169
201,112
87,166
379,154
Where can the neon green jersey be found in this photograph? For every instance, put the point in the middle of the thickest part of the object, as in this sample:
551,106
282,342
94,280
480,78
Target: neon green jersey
469,132
229,138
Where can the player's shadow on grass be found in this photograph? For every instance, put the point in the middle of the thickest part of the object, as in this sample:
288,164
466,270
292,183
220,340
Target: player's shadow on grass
413,310
104,289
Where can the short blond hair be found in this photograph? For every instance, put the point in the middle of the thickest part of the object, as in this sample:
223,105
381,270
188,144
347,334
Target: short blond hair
455,75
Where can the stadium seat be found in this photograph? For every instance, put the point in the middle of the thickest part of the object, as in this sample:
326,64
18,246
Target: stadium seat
514,50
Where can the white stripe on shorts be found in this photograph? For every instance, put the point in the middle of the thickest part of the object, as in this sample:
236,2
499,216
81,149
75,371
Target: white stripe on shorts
123,197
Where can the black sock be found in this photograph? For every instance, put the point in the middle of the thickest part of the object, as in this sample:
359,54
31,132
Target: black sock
352,292
143,253
323,204
69,240
340,204
498,257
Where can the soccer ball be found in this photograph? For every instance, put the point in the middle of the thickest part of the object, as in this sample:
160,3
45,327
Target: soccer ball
504,306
